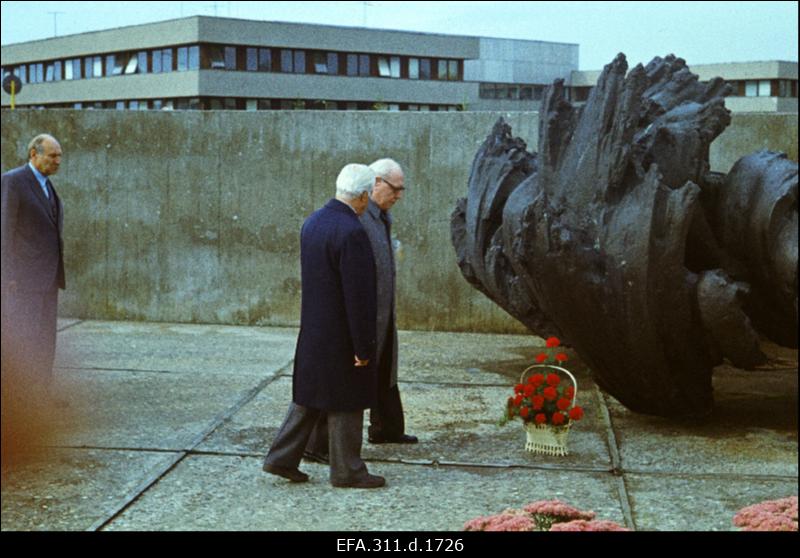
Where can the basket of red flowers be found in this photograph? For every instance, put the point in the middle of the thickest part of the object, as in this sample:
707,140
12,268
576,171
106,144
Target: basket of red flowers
546,402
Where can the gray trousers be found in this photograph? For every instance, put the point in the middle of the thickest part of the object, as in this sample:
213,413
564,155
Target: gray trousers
345,430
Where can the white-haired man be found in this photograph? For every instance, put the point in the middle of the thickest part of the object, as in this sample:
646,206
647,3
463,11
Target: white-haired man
387,424
334,365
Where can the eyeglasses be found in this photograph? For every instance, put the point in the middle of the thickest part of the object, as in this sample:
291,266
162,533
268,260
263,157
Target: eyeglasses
392,186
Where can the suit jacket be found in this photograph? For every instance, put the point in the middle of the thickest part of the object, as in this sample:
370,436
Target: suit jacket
32,243
386,276
337,319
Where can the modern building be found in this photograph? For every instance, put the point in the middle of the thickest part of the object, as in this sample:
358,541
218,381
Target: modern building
220,63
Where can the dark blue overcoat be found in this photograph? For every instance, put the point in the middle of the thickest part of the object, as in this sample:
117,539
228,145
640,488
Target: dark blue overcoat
338,313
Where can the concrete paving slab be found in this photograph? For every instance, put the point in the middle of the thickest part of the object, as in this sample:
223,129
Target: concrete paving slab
149,410
176,347
470,358
454,424
232,493
71,489
686,503
753,430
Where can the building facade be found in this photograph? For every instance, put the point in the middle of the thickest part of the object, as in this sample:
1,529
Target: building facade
220,63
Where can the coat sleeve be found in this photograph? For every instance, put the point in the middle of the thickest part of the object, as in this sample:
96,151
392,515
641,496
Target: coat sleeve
8,217
357,271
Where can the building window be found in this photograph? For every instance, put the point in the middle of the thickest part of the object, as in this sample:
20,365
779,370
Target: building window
352,64
230,58
299,61
251,64
389,66
333,63
413,68
363,65
53,71
216,57
22,73
264,104
442,73
264,60
452,70
320,63
132,64
425,68
188,59
142,64
287,61
761,88
162,60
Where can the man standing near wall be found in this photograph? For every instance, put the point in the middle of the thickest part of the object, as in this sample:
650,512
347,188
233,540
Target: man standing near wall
387,424
32,265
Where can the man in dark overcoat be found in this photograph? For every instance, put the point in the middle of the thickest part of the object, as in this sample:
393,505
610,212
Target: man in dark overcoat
32,267
334,366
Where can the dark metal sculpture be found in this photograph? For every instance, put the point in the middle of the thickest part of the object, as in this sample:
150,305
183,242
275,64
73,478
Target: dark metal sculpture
617,238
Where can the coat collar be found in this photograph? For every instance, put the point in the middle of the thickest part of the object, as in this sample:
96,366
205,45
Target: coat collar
341,207
375,211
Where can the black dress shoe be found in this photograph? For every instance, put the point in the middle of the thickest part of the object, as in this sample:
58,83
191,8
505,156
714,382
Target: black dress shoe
404,439
294,475
370,481
316,457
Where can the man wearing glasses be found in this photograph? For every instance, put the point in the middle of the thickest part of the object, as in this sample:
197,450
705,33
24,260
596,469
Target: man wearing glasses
387,424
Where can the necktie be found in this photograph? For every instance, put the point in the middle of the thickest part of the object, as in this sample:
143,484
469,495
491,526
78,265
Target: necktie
387,223
52,198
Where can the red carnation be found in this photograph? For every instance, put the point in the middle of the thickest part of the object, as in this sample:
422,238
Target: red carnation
529,389
518,400
518,388
524,412
563,404
540,418
562,357
536,379
569,393
576,413
558,419
553,342
550,393
553,380
538,402
541,357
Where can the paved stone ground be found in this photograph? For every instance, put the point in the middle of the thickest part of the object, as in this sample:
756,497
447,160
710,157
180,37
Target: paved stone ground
168,425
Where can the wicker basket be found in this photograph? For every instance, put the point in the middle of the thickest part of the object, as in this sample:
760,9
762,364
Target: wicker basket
546,438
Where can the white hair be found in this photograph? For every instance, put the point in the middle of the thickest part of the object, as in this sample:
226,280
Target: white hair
354,180
385,167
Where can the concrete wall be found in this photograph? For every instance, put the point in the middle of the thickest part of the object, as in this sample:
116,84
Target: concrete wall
195,216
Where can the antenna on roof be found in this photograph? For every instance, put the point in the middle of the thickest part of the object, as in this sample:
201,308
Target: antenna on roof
55,27
365,4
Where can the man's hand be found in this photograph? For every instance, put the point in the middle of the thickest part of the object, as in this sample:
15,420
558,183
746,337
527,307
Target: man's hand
361,363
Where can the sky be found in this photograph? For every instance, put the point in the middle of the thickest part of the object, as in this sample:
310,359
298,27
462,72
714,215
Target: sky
699,32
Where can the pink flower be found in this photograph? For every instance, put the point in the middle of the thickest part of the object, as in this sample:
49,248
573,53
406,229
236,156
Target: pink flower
509,520
772,515
583,525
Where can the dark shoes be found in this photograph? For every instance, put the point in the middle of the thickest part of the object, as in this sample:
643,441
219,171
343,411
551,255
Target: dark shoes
294,475
370,481
316,457
404,439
